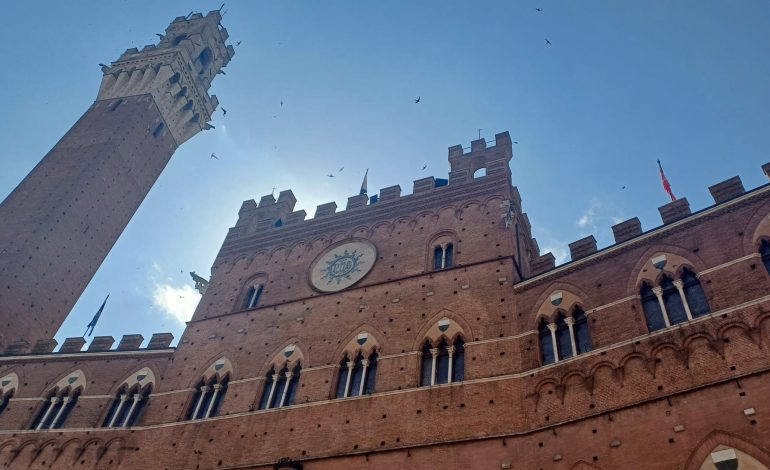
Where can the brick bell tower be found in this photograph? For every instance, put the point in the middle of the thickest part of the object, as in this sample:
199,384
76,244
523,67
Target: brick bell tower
59,223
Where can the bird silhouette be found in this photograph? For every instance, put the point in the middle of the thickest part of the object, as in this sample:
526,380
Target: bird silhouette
238,43
281,102
424,167
330,175
515,141
224,111
623,187
548,43
160,36
342,168
417,100
538,9
213,155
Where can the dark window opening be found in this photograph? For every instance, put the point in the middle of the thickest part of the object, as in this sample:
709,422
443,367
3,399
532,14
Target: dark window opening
546,343
652,311
694,293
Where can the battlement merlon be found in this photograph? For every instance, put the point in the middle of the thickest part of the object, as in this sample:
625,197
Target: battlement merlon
177,72
495,159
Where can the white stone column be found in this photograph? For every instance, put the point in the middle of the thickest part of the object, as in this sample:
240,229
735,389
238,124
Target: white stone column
552,327
272,391
571,325
285,388
137,399
51,403
217,389
658,291
65,402
680,287
351,364
115,415
365,365
451,351
443,255
434,353
204,391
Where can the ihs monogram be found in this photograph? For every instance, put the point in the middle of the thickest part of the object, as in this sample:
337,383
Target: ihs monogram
342,266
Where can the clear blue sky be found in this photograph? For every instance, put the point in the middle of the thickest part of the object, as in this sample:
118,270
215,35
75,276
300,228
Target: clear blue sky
622,84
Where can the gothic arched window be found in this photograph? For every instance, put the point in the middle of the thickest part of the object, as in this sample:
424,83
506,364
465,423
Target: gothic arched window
674,301
443,256
357,376
127,406
568,336
56,409
440,364
582,335
280,388
208,398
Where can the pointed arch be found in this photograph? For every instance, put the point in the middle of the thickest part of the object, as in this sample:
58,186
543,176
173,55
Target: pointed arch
675,257
717,438
433,332
291,351
756,229
560,296
353,342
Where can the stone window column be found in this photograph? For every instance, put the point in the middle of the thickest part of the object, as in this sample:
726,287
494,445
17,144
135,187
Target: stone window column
680,287
272,391
451,352
365,365
51,403
658,291
351,365
285,388
65,402
115,415
217,389
571,325
137,399
204,391
552,327
434,354
443,255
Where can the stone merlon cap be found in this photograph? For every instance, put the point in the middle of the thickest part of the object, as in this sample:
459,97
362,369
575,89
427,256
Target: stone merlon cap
130,342
674,211
101,343
72,345
160,341
287,198
390,193
296,217
543,263
627,230
727,189
17,347
267,200
355,202
326,209
44,346
424,184
582,248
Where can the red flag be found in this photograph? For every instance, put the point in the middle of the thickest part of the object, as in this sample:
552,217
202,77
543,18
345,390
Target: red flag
665,182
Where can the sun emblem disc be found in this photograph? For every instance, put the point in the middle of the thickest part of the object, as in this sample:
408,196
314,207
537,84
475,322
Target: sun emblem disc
342,265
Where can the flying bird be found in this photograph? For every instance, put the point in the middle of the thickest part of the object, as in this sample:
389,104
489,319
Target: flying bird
538,9
213,155
224,111
160,36
330,175
238,43
281,102
424,167
515,141
417,100
548,43
341,168
623,187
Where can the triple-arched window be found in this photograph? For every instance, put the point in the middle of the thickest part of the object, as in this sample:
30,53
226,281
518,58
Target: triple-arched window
673,300
280,387
357,375
208,397
565,337
444,363
56,409
127,407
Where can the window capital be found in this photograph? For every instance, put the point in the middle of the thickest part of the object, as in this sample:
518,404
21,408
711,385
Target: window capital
552,327
569,321
658,291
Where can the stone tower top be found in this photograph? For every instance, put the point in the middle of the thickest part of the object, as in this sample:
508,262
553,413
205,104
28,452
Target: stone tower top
177,72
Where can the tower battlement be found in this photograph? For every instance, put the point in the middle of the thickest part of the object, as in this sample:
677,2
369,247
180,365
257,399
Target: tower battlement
177,72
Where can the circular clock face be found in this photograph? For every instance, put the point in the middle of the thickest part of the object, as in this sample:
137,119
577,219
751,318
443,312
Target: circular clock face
343,265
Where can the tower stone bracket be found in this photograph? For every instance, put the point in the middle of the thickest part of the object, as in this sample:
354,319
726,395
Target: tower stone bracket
177,72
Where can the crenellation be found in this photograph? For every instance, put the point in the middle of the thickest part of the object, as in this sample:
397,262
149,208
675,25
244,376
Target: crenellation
296,217
727,189
543,263
627,230
130,342
357,202
72,345
101,343
327,209
17,347
424,184
160,341
674,211
582,248
44,346
390,193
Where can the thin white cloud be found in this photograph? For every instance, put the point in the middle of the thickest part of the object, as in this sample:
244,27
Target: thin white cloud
177,302
559,252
